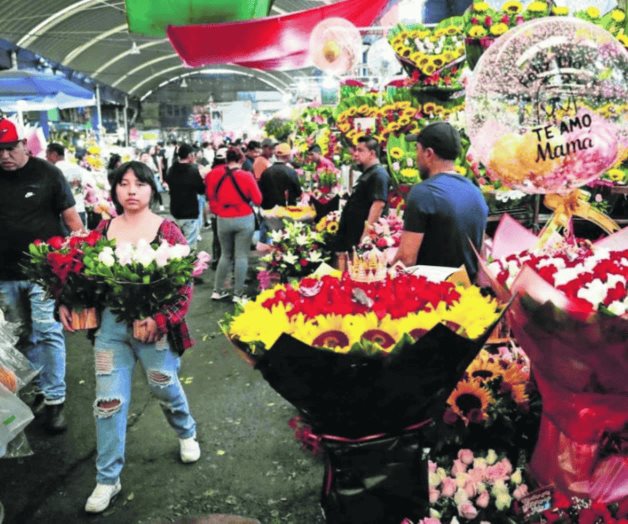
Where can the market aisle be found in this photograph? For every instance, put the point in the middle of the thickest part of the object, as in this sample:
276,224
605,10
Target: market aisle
251,464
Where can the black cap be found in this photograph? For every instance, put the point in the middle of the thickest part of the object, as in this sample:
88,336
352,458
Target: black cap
442,137
269,142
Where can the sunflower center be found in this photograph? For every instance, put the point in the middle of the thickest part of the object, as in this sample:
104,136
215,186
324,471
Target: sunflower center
417,333
331,339
380,337
467,402
482,373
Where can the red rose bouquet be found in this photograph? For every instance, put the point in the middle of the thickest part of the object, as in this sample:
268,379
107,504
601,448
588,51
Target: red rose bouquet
569,317
58,265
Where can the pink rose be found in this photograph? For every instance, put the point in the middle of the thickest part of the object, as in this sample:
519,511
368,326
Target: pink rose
467,510
470,488
448,487
499,471
429,520
466,456
434,495
483,500
520,492
458,467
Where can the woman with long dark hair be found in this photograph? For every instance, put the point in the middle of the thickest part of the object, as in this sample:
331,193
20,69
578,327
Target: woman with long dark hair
117,350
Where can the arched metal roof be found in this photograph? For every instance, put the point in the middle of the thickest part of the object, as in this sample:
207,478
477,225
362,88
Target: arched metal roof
91,36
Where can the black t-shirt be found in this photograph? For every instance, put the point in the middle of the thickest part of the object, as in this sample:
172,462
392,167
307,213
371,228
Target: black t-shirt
449,210
371,186
31,200
275,182
185,183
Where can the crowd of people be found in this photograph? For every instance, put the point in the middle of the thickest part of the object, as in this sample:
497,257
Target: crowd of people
41,198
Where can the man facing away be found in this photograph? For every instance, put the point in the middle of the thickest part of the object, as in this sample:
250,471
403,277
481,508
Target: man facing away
445,213
185,183
74,174
279,183
34,198
368,199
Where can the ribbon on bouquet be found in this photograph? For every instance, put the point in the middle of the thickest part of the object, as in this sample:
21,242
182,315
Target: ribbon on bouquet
565,207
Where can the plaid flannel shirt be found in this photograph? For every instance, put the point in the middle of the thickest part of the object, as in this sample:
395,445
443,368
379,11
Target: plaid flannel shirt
170,319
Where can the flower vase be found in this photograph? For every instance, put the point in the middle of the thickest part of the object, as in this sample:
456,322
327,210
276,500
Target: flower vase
139,330
86,318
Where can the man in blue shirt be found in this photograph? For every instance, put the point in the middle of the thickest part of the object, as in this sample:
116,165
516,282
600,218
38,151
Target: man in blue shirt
445,213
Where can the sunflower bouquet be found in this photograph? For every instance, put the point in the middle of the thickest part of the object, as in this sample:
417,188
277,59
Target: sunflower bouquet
328,226
431,56
483,25
367,362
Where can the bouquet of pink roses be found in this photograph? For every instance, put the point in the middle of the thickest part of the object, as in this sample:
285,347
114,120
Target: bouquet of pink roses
474,488
384,234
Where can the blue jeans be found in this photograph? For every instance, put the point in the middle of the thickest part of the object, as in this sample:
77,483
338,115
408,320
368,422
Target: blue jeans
116,352
202,201
42,339
191,229
436,10
235,236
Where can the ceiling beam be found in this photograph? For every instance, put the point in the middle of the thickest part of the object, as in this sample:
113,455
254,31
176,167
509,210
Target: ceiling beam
70,57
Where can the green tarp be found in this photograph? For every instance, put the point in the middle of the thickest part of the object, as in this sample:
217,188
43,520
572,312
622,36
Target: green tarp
150,17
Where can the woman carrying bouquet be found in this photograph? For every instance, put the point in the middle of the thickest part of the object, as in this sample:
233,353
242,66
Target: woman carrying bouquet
231,193
116,350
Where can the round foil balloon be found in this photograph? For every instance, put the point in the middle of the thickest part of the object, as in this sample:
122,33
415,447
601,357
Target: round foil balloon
335,46
382,60
546,106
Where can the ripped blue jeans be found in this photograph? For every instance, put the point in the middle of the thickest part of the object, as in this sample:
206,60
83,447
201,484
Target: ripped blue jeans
41,336
116,352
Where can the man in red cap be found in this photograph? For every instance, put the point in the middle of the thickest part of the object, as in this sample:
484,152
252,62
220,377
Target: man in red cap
34,198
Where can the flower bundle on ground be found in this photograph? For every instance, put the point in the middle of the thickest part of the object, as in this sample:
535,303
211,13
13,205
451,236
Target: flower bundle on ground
60,266
341,315
475,487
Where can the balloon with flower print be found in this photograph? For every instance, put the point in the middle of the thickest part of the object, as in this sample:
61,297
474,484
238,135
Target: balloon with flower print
535,105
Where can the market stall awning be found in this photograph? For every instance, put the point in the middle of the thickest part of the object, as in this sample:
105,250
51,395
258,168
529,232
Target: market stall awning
277,42
27,90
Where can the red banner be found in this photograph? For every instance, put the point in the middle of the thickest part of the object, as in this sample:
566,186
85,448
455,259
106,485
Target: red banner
275,43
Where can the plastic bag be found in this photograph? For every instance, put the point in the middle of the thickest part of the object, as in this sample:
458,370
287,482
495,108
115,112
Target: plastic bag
15,369
17,448
14,417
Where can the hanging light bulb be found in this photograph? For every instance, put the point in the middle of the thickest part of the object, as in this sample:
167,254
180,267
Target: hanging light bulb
184,83
135,50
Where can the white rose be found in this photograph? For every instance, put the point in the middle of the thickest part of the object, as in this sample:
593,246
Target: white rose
124,253
613,280
516,477
460,497
618,308
594,292
106,257
162,254
499,487
503,501
179,251
567,275
491,457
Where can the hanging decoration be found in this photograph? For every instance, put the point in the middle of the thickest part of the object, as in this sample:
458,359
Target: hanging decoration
272,43
335,46
152,18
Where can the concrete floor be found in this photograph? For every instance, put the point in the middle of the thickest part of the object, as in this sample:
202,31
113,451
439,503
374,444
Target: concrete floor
251,464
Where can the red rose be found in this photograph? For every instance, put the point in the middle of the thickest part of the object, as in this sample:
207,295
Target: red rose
56,242
488,21
37,242
75,241
303,262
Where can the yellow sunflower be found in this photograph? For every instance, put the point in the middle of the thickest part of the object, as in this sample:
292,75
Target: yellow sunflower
428,69
512,6
258,324
593,12
474,312
470,399
396,152
484,368
480,7
537,7
384,334
410,174
498,29
453,30
448,56
560,10
440,32
623,39
418,324
616,175
332,227
477,31
404,121
429,108
438,61
618,15
519,394
460,170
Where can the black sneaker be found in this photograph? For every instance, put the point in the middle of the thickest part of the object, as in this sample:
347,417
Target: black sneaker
55,421
37,407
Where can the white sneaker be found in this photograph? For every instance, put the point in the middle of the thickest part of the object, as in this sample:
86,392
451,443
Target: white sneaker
189,449
219,295
240,299
102,496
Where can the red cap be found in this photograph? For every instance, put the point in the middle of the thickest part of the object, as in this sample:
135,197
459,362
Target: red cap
10,133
